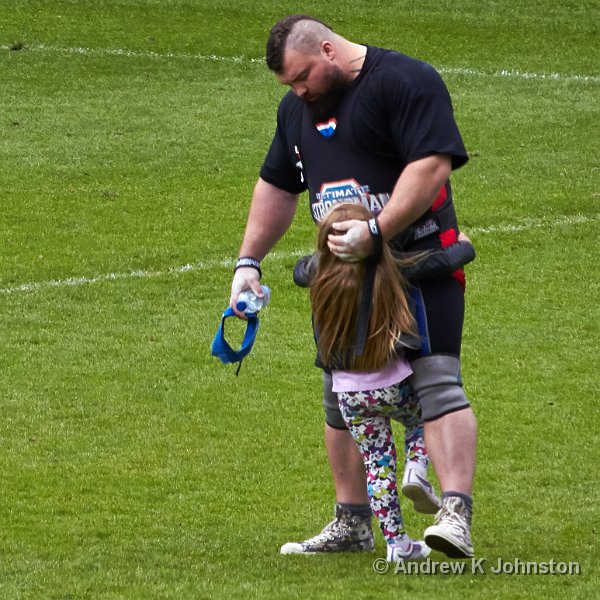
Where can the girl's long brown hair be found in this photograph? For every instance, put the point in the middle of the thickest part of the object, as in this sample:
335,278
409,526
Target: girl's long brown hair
335,295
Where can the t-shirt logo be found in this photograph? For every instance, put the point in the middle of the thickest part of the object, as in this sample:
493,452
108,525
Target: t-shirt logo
327,129
346,190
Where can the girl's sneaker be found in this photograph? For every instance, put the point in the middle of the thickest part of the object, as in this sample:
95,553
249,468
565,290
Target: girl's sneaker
407,549
417,488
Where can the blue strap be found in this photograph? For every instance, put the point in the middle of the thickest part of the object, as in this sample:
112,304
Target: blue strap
220,347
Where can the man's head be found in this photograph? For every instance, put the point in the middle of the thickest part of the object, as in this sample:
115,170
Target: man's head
305,54
304,37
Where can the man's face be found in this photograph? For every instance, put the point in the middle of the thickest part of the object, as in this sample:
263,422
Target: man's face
316,79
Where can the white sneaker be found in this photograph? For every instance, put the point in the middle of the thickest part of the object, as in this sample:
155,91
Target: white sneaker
451,532
408,550
417,488
346,533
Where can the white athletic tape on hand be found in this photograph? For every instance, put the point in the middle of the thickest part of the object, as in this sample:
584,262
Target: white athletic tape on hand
352,236
347,257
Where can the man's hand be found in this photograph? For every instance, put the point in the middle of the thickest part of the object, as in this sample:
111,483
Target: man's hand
351,240
245,278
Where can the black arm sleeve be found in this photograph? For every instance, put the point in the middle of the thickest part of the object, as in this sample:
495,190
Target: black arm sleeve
441,262
433,264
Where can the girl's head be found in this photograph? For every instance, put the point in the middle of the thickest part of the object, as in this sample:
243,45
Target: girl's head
336,293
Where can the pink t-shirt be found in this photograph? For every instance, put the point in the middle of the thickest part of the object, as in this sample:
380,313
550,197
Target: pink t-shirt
397,370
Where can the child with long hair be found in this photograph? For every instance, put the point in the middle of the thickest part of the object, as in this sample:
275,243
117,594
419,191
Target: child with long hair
362,320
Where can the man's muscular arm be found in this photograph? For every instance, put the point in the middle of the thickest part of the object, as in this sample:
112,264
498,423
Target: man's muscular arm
414,193
271,214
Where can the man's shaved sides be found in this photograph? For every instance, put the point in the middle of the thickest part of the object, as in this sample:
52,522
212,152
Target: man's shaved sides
306,36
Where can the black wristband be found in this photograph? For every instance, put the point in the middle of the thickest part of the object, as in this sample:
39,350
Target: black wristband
247,261
375,236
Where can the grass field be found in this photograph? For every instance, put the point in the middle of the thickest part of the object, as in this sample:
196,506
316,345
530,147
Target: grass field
133,464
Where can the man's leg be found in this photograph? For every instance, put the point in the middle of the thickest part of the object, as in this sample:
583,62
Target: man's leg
346,466
351,528
450,427
450,437
451,443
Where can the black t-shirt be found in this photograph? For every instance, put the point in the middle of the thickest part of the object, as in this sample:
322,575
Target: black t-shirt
396,111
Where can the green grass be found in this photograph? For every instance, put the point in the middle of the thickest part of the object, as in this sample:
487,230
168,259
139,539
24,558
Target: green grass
134,465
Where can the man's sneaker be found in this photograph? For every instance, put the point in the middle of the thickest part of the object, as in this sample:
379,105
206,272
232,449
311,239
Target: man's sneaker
416,487
451,532
346,533
408,550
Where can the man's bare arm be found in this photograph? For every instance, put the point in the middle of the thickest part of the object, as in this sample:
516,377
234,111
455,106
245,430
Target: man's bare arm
414,193
271,214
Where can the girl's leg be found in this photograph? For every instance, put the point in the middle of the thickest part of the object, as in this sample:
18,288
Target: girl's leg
414,447
407,411
373,434
415,483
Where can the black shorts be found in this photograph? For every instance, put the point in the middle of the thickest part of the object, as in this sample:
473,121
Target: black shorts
440,316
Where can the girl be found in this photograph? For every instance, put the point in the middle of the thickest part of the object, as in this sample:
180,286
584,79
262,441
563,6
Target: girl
362,320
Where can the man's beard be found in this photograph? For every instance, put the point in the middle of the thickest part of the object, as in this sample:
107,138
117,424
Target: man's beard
324,106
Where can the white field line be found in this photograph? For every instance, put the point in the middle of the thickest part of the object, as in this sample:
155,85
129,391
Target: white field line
502,73
274,256
534,224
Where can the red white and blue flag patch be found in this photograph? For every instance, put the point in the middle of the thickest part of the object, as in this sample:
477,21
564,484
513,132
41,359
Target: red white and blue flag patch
327,129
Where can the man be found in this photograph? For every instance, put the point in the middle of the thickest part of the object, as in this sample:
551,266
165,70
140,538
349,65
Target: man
370,125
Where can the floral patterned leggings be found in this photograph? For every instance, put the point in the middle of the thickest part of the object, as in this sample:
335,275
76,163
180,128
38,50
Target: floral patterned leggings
368,417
